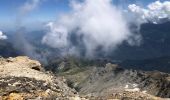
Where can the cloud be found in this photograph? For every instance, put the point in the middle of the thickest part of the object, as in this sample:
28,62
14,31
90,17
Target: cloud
20,41
29,6
155,12
2,36
25,47
92,25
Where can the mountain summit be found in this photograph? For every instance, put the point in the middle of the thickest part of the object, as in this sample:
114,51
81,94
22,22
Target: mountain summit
22,78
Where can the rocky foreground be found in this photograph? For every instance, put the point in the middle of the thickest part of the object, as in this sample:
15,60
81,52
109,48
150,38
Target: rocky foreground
24,79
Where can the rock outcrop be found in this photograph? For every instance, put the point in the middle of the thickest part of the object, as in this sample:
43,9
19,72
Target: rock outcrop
22,78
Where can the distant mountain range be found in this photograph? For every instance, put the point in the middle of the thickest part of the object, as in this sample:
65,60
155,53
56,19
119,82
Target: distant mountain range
7,49
161,64
155,43
152,54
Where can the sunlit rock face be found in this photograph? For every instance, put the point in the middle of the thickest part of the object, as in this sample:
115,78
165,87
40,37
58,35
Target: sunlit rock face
23,78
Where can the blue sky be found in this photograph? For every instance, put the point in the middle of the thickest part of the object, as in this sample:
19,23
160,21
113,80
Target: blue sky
47,10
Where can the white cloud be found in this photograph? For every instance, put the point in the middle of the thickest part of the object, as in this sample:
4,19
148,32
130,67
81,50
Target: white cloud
155,12
19,39
57,36
29,6
97,22
2,36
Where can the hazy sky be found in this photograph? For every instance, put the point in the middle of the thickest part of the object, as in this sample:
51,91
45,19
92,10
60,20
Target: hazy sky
46,11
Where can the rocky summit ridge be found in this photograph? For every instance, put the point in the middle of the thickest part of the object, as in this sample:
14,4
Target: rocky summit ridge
24,79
